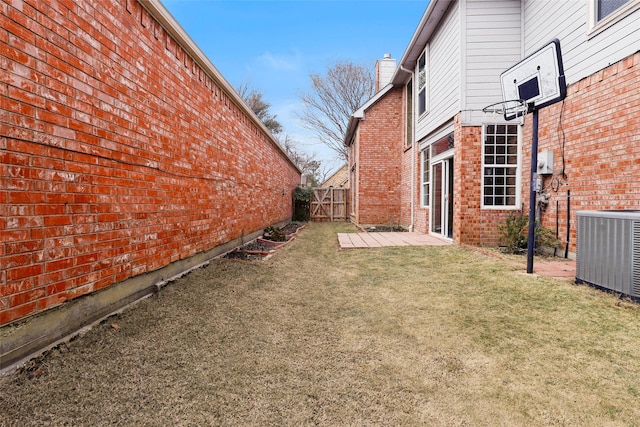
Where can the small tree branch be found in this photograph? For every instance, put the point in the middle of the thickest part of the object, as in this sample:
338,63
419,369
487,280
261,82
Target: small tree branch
332,100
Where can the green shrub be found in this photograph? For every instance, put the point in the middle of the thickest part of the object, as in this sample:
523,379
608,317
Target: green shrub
545,238
304,194
302,197
514,234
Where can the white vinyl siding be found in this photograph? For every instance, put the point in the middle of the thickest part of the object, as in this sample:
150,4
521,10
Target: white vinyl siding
443,74
493,44
583,51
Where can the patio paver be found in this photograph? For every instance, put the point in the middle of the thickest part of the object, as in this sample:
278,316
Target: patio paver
378,240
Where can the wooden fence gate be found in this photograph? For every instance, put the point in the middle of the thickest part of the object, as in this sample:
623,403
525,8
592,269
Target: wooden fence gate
330,204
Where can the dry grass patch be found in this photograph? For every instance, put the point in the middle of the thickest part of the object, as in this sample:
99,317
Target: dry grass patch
319,336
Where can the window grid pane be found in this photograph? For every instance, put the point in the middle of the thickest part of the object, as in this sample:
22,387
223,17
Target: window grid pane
607,7
426,178
422,83
422,72
500,165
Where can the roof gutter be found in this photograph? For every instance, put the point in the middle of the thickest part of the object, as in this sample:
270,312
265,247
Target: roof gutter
351,129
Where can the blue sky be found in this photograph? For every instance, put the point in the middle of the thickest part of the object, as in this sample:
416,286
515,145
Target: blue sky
275,45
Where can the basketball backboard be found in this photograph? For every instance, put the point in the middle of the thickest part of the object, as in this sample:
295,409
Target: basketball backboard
538,80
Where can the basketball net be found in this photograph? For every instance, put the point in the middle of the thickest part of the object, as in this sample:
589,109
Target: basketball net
507,110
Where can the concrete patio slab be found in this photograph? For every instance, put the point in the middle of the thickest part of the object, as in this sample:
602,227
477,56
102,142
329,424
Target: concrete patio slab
378,240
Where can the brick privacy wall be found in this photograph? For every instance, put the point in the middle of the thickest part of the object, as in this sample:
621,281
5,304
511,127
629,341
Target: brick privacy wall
599,123
379,168
119,155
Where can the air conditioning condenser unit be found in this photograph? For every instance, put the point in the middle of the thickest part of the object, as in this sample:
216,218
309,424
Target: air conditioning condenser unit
608,250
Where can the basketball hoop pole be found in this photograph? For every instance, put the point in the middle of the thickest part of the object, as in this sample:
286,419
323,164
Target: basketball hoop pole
532,196
538,80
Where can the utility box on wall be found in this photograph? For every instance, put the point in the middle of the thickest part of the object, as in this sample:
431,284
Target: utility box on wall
545,163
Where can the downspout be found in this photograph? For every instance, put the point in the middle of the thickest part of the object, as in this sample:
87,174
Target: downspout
413,149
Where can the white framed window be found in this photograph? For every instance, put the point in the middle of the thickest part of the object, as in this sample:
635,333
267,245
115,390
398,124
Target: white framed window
501,152
425,177
604,13
422,83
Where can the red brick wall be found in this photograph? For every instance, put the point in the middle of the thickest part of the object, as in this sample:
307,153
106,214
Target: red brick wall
599,125
406,194
379,161
472,225
118,153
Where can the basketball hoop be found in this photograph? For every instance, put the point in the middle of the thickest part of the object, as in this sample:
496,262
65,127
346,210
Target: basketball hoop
535,82
507,110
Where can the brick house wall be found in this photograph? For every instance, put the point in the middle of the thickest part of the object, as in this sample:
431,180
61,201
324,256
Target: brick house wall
599,127
406,195
119,153
466,183
340,178
377,151
472,224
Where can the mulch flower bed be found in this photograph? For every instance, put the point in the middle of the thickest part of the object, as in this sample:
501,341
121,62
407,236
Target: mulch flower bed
384,229
291,228
259,245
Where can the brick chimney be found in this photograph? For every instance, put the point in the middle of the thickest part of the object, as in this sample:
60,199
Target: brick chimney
384,71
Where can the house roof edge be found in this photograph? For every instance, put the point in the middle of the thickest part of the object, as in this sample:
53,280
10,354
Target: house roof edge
427,25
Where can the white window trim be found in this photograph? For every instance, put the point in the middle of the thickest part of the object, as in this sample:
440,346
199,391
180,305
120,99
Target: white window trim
518,203
596,27
444,155
425,52
422,182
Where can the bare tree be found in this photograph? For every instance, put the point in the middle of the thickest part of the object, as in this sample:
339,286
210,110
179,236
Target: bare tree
334,97
260,107
309,166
